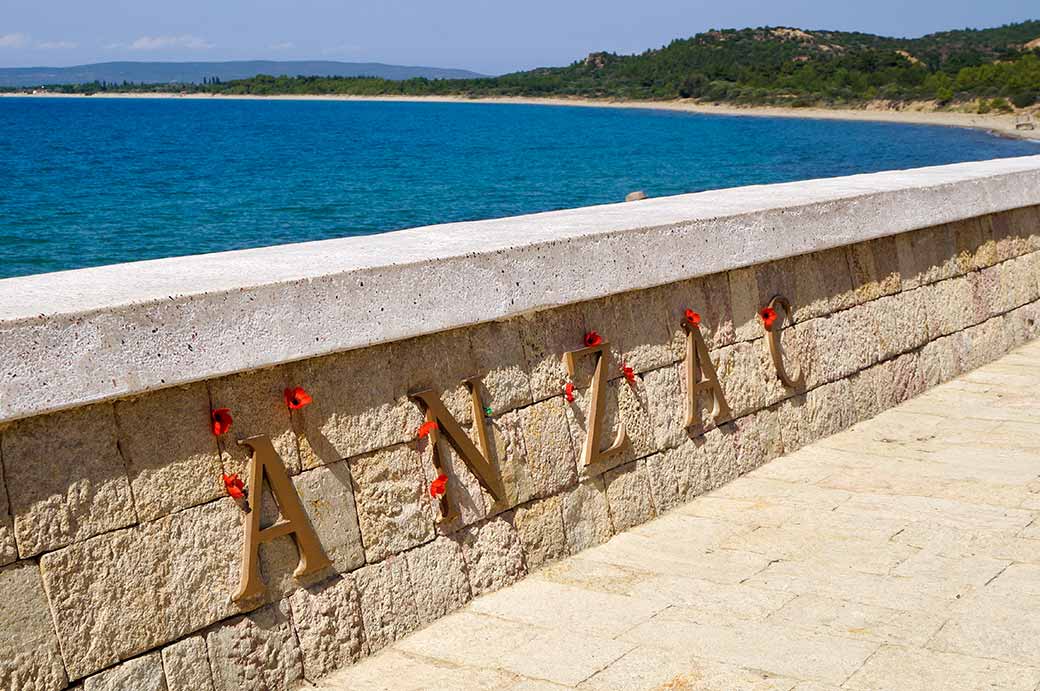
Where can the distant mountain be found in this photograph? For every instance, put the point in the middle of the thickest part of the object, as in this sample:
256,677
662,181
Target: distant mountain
196,72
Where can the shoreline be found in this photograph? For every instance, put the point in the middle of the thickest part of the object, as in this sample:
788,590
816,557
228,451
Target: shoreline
999,125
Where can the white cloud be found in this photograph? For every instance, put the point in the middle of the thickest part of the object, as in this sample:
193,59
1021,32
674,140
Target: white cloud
284,45
57,45
161,42
13,41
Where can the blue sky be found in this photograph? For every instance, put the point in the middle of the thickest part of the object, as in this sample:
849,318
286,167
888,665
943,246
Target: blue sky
490,36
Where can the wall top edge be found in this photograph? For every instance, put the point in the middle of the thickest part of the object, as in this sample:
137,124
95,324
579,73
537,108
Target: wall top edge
77,337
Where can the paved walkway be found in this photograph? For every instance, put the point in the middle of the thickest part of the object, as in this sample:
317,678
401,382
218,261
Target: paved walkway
902,554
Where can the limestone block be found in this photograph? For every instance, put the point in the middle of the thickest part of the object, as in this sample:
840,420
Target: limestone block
65,478
467,499
666,401
744,302
983,344
550,464
171,455
987,298
439,362
144,586
843,343
257,651
974,244
899,380
779,278
823,284
634,324
257,403
874,268
864,386
716,450
1023,325
1013,232
950,306
357,407
186,663
494,555
143,673
327,619
758,440
748,378
29,656
940,360
931,257
1019,281
820,413
388,607
708,296
546,336
509,455
8,548
438,573
628,496
625,403
394,508
902,322
498,359
327,496
539,525
586,518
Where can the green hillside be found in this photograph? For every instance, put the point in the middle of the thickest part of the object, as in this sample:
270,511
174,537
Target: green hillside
773,65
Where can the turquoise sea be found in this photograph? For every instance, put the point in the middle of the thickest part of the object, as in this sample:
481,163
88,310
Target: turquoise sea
85,182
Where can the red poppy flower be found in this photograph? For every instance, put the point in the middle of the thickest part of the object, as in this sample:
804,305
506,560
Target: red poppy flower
592,339
439,486
427,428
629,373
297,398
568,391
768,315
234,486
221,418
692,318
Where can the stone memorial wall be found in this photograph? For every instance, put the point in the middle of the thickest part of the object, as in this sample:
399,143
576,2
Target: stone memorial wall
131,559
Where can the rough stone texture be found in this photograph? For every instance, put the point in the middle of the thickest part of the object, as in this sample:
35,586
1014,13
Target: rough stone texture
8,548
987,296
676,475
901,322
874,268
65,478
950,306
628,496
394,510
171,455
1020,281
625,403
899,380
634,325
143,673
257,404
744,302
257,651
388,607
499,359
819,413
666,400
439,362
327,619
356,408
586,518
1016,232
550,464
29,656
758,440
940,360
546,336
930,257
186,664
708,296
494,555
974,244
438,573
539,525
748,378
822,284
144,586
508,455
843,343
1023,324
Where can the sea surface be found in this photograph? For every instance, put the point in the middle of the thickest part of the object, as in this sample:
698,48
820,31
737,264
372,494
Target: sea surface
85,182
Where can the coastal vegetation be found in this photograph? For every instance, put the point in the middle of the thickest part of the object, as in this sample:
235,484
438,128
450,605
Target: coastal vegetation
993,69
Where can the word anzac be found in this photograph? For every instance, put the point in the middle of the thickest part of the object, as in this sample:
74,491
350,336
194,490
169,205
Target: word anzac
265,464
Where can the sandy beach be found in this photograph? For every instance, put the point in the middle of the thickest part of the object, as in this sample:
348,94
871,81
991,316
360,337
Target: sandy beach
999,124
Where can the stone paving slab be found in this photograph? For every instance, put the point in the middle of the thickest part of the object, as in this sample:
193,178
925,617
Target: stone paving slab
901,554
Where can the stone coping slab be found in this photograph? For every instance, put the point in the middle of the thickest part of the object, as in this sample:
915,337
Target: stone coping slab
77,337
